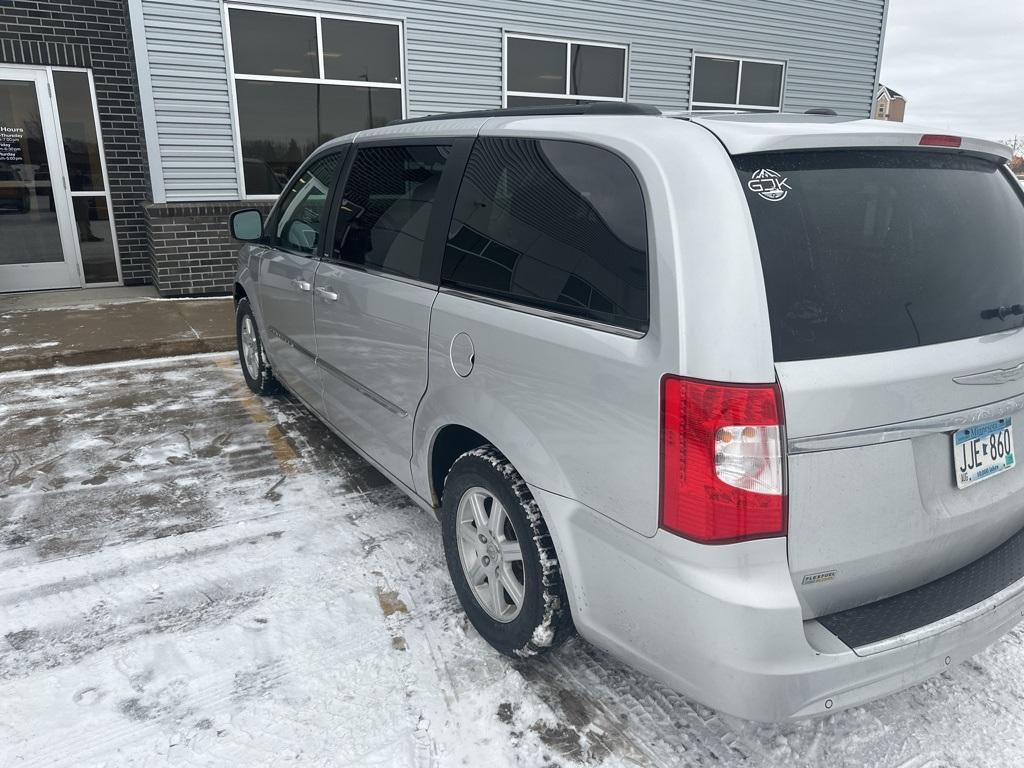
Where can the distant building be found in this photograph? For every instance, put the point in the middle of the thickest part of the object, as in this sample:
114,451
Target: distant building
889,105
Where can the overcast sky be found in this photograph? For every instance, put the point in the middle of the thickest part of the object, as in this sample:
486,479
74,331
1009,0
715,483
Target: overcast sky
960,63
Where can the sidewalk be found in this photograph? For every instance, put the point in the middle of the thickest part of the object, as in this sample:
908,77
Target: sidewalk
43,330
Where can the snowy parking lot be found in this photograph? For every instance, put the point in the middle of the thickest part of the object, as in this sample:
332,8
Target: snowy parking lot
193,575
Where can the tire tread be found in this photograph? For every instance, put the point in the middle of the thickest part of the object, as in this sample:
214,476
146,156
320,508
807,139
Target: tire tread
556,625
265,383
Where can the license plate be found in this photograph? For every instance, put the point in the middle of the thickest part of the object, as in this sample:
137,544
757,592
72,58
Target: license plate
981,451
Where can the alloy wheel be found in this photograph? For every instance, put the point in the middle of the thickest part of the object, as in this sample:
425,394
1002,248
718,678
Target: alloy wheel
250,351
490,553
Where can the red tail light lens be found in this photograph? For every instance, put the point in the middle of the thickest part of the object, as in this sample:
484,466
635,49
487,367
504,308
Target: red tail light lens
721,461
940,140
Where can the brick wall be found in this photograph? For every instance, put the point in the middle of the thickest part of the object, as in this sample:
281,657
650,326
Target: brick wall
191,250
94,34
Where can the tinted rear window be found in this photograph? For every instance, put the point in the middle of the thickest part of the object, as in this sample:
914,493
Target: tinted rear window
868,251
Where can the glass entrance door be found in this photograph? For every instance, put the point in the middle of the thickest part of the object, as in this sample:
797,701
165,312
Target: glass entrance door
36,224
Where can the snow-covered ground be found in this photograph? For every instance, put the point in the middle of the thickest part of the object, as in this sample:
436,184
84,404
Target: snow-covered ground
193,575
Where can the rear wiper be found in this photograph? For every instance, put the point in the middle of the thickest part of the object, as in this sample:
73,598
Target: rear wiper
1002,312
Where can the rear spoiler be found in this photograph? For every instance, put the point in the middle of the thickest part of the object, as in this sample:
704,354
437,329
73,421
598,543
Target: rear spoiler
748,134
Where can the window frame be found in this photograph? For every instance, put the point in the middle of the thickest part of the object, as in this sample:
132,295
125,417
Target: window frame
318,16
568,42
442,208
698,105
470,294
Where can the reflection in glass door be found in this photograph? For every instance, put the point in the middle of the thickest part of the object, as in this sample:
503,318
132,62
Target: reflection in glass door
87,178
35,217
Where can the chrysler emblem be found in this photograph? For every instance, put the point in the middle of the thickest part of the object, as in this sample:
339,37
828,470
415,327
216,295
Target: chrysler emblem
998,376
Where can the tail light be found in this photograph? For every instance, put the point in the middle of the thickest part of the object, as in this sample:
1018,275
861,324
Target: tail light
940,140
721,461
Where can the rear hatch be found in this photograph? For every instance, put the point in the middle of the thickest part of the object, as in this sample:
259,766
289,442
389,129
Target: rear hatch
895,285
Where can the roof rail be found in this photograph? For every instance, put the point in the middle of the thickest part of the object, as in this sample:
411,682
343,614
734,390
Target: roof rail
821,111
594,108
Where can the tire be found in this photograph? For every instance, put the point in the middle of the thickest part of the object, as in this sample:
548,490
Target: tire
255,366
541,620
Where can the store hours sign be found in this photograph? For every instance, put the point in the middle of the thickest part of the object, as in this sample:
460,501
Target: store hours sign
11,142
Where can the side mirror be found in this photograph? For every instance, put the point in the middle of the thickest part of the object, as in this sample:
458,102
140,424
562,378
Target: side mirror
247,225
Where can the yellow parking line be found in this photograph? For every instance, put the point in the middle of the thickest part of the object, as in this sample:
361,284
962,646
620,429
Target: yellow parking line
280,446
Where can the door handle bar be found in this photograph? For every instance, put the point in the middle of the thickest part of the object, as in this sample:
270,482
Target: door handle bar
302,285
327,293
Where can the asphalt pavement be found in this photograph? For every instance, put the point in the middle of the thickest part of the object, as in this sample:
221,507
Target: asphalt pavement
194,575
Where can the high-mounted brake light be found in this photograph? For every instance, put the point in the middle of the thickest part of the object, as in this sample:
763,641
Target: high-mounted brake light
940,140
721,461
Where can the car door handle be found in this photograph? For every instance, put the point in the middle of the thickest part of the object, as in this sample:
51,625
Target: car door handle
327,293
302,285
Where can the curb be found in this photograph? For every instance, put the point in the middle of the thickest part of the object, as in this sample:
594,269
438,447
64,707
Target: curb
42,360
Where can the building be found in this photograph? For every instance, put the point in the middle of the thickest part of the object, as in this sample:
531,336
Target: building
889,105
129,129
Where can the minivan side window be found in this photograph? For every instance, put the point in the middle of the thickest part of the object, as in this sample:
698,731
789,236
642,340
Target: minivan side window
555,225
302,207
386,206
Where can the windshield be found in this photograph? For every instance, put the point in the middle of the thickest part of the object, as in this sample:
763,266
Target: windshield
867,251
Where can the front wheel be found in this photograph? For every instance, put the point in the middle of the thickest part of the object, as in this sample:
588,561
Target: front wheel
255,367
500,556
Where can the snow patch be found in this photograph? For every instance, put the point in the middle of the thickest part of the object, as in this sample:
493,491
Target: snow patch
184,361
21,347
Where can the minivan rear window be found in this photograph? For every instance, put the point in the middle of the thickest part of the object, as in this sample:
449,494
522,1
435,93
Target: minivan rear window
875,250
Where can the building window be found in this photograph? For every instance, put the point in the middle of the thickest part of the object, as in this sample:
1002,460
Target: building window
719,82
301,79
545,71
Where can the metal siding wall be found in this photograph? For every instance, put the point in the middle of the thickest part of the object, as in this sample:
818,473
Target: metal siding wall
453,59
188,72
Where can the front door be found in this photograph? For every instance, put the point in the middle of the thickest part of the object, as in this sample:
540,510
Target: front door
35,214
287,272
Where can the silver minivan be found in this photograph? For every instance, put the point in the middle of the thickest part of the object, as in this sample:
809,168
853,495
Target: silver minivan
733,396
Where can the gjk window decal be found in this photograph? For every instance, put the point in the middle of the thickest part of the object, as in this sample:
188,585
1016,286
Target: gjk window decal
769,184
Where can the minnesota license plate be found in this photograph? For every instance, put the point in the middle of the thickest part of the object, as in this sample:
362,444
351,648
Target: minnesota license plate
981,451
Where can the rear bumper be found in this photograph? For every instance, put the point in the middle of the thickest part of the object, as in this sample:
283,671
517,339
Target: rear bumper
723,624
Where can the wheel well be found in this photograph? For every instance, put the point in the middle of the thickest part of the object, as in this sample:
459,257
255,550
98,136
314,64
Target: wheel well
238,293
451,442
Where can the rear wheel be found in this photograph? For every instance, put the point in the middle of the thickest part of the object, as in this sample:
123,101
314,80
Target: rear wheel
501,558
255,367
